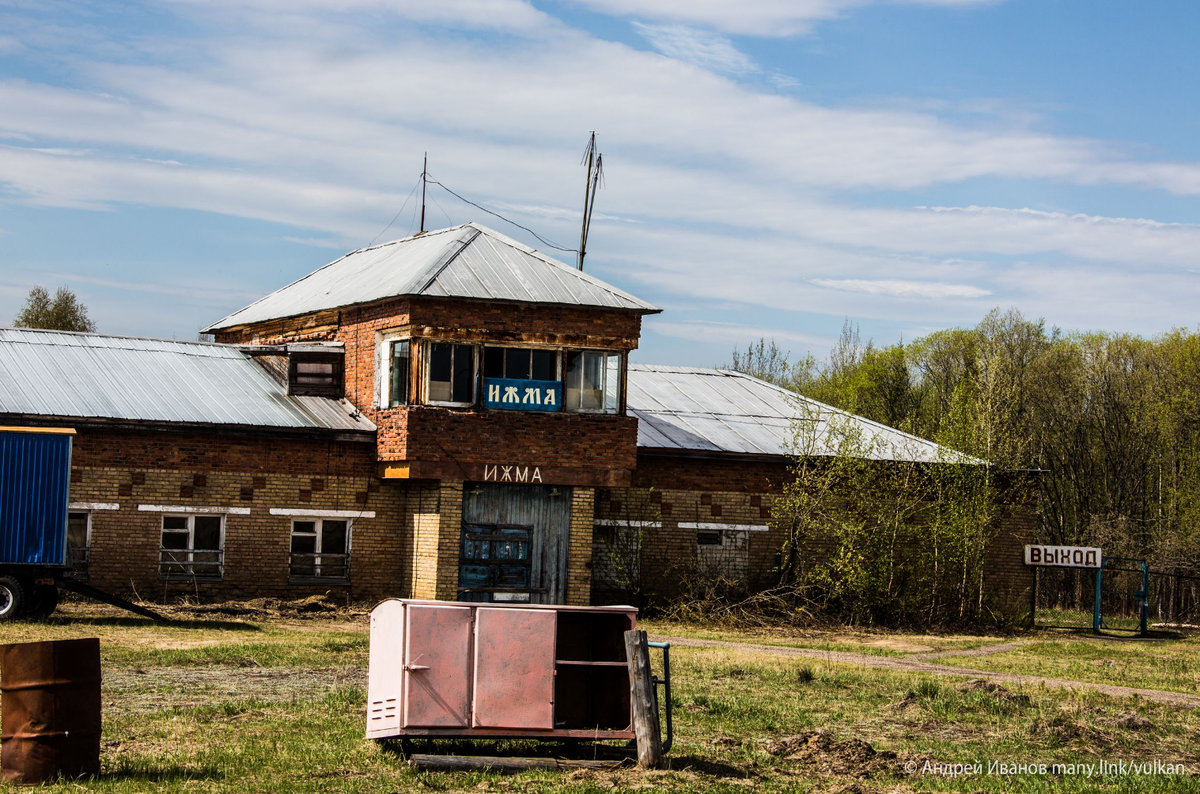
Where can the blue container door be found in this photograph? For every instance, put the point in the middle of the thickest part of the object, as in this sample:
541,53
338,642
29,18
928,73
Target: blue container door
35,477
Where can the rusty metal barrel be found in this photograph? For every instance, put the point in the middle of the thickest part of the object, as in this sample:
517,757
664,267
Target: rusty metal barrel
49,710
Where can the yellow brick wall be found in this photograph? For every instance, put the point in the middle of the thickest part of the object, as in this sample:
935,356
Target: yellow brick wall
125,542
579,546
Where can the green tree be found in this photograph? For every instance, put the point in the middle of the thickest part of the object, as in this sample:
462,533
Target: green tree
63,312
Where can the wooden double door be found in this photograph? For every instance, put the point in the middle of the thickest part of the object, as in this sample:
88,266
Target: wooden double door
515,541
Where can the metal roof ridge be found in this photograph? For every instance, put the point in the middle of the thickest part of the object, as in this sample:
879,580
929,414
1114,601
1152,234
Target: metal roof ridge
789,394
95,335
411,237
306,276
797,396
424,280
673,412
668,368
547,259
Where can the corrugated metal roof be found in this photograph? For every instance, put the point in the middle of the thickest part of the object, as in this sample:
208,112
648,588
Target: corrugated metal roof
469,261
712,410
54,373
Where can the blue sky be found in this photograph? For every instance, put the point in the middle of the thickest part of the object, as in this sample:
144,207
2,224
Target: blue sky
773,167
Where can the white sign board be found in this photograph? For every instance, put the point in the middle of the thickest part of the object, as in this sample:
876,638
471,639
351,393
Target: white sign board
1063,556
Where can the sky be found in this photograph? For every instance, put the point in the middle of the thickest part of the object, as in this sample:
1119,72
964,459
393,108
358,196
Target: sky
772,168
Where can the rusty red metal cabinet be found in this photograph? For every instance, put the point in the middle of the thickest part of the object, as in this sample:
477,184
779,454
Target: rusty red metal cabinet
441,668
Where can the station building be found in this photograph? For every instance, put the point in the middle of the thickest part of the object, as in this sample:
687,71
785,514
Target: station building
449,416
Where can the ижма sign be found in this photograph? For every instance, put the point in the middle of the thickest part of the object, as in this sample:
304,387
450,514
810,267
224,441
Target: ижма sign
1064,556
513,394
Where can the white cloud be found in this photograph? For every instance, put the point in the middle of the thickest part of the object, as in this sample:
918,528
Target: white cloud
918,289
715,190
750,17
315,242
195,293
726,334
705,49
506,15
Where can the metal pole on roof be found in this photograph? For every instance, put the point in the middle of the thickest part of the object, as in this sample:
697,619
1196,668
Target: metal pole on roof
589,194
424,173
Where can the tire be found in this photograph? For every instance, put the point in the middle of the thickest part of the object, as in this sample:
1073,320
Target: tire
43,600
12,598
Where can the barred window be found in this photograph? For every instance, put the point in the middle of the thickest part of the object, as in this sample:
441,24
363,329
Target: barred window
320,549
192,547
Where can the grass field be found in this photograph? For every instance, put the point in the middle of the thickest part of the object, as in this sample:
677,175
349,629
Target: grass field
276,704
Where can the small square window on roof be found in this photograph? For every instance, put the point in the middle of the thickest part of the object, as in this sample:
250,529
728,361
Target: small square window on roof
315,374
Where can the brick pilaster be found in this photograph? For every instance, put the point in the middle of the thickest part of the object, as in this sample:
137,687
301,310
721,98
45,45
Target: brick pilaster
579,546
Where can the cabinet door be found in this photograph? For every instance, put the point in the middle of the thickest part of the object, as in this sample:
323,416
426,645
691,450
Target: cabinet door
437,652
514,668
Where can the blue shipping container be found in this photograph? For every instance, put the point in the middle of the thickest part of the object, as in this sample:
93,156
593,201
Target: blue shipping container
35,478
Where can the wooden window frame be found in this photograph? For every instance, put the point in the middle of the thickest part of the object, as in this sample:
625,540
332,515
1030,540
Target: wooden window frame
623,367
336,389
319,533
190,550
427,362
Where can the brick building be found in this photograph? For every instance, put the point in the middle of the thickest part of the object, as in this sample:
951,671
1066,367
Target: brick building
450,416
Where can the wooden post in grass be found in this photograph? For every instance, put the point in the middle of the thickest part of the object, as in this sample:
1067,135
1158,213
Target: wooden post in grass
641,697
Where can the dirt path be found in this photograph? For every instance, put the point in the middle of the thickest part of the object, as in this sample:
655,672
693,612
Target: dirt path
982,650
914,665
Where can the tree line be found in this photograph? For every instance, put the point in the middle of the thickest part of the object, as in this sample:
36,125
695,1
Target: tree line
1111,419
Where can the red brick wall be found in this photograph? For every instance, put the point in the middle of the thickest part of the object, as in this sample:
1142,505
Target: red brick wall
535,439
477,436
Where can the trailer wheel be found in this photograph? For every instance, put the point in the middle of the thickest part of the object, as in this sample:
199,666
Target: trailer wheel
12,598
43,600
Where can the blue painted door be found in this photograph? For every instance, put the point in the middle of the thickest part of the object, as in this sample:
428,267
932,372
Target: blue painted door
514,543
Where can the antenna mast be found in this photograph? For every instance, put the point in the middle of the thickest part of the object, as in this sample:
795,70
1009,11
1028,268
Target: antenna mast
424,173
595,168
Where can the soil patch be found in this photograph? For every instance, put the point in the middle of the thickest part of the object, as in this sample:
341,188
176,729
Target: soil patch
997,691
845,758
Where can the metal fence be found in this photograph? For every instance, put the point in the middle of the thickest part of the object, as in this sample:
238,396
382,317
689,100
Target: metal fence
320,567
1066,598
79,558
188,565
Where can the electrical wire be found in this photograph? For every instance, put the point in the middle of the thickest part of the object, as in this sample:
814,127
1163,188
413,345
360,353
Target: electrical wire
397,215
439,206
543,240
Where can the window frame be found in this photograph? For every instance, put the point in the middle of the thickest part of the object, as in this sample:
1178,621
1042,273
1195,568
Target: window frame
389,381
558,352
319,532
426,372
618,408
191,550
335,388
82,572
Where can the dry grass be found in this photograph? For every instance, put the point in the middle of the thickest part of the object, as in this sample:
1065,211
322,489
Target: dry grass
275,703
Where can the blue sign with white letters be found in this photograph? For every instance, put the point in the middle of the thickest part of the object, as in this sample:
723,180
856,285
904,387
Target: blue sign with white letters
515,394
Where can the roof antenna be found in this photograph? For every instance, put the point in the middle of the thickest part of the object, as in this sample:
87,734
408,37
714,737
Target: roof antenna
424,174
595,169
